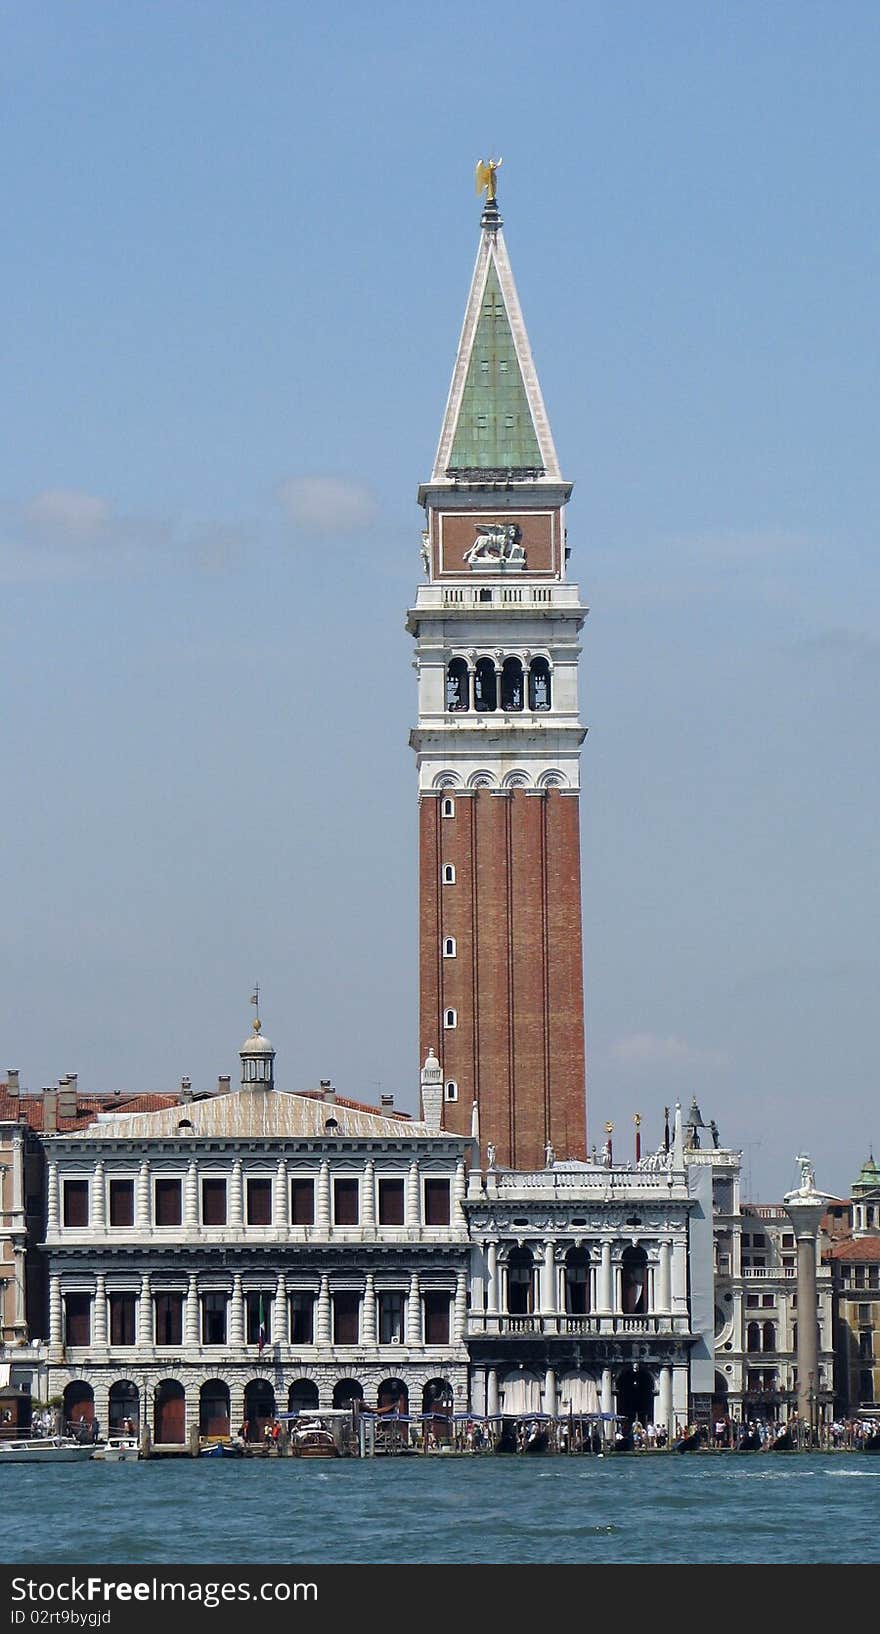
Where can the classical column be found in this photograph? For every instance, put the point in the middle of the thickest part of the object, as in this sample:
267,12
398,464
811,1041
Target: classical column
281,1312
322,1201
459,1315
414,1311
99,1326
679,1276
368,1194
478,1278
459,1192
607,1391
548,1279
281,1211
368,1324
142,1197
491,1392
236,1204
236,1313
191,1311
664,1280
805,1208
665,1401
413,1209
550,1401
492,1279
322,1329
604,1305
53,1212
97,1218
191,1196
56,1326
145,1313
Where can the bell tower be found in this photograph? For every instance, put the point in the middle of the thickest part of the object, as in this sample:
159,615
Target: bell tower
496,625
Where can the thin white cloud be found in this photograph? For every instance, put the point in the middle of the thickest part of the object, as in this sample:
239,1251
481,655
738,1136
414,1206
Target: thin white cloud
64,534
654,1050
327,505
62,514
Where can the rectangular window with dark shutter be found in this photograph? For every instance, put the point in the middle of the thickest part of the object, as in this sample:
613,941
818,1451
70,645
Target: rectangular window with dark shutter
77,1319
346,1318
302,1319
345,1202
259,1202
214,1318
168,1203
169,1319
122,1202
122,1319
76,1202
436,1319
302,1202
437,1202
213,1201
391,1202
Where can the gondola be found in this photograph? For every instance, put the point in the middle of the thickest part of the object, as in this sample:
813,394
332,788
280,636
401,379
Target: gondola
870,1443
690,1441
749,1441
783,1441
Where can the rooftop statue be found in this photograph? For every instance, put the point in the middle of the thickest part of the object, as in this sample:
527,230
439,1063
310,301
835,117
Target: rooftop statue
485,177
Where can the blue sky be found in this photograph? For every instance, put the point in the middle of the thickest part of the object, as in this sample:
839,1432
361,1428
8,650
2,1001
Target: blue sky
238,244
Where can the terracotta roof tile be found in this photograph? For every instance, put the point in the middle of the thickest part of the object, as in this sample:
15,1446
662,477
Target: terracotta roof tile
29,1109
856,1249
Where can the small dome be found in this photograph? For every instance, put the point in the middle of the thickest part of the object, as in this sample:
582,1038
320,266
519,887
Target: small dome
256,1044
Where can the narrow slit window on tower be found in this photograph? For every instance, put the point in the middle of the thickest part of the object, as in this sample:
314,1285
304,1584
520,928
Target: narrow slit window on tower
449,808
448,873
449,947
450,1018
451,1090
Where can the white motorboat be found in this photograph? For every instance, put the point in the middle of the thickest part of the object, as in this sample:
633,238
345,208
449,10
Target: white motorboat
45,1449
117,1449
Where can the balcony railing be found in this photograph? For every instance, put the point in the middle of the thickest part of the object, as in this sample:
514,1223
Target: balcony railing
565,1326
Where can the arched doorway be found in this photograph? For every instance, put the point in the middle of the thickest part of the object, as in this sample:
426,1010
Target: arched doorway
348,1393
392,1397
259,1407
169,1416
437,1409
302,1397
635,1394
79,1406
123,1407
214,1408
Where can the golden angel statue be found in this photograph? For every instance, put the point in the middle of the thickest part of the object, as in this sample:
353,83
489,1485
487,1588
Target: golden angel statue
485,177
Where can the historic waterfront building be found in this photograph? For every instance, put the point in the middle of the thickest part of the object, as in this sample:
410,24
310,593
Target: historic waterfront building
854,1263
497,625
254,1252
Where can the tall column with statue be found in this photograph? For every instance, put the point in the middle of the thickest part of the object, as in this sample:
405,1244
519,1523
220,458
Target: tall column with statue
805,1208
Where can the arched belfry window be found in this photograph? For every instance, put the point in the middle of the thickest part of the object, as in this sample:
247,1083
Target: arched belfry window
457,684
512,684
485,686
539,684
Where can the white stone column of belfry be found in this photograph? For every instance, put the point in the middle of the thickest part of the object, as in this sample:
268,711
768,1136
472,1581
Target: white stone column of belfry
368,1194
191,1196
322,1201
53,1211
413,1208
368,1322
459,1192
605,1283
280,1312
56,1327
145,1313
281,1211
679,1276
548,1279
414,1311
492,1279
142,1197
322,1322
664,1280
236,1313
492,1392
99,1323
97,1217
459,1312
236,1197
664,1404
191,1311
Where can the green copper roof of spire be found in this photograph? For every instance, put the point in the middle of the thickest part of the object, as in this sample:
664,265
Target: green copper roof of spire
495,431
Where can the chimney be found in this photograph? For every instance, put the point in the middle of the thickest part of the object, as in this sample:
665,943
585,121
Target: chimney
185,1089
50,1111
223,1086
386,1100
328,1093
66,1093
12,1080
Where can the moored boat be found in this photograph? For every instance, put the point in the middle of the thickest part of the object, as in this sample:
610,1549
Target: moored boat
783,1441
312,1439
117,1449
45,1449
